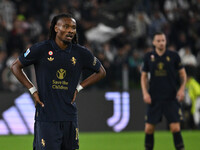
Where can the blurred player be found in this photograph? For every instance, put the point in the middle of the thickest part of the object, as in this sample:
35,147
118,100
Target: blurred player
58,64
193,92
161,94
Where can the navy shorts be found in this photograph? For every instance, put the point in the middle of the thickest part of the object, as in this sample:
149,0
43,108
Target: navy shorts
56,135
170,109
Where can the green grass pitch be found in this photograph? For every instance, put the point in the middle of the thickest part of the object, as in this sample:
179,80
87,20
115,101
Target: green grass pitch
111,141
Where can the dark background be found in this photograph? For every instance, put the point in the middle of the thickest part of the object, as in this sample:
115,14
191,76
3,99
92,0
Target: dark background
94,110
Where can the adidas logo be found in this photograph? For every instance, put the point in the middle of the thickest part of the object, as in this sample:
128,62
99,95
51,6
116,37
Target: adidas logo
19,119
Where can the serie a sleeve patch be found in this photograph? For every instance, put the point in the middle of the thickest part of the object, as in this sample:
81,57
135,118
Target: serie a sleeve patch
27,52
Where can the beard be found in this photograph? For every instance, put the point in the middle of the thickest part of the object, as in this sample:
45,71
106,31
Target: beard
66,42
161,48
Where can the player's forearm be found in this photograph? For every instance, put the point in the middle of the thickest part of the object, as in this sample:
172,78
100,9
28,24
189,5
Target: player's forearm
95,77
183,78
144,83
16,69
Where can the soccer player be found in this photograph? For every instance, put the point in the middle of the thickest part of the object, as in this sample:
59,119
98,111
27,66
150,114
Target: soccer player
58,64
161,69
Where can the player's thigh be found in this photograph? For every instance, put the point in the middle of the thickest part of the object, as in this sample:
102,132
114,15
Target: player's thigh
48,136
71,136
172,111
154,113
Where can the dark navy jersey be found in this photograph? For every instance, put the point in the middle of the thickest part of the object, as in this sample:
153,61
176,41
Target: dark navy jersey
58,73
163,72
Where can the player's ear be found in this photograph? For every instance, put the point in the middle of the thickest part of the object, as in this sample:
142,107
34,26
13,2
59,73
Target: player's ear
153,42
56,28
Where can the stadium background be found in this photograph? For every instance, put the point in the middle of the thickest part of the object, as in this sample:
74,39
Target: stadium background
119,33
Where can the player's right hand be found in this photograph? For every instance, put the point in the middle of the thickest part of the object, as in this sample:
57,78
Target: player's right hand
37,99
147,98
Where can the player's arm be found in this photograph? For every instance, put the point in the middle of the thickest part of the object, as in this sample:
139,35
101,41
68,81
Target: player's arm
144,86
95,77
181,92
17,70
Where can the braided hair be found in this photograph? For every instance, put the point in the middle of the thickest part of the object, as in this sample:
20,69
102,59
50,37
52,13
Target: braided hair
52,33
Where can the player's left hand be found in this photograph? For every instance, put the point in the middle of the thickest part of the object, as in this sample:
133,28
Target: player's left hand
180,95
75,93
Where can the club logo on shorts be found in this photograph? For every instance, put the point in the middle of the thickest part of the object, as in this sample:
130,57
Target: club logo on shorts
77,134
50,53
43,142
180,114
61,73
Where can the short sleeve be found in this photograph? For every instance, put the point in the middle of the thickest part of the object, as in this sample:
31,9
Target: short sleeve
30,56
145,66
89,61
178,64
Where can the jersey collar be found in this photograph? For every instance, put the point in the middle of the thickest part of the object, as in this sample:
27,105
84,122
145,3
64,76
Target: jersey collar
57,48
154,52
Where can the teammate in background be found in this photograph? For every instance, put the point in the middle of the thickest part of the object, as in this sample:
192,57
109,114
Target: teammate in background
193,91
161,94
58,64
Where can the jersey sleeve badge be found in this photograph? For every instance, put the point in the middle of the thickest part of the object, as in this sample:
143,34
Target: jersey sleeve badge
27,52
95,61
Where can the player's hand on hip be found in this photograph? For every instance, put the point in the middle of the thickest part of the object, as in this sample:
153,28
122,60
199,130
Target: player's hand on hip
180,95
73,100
37,99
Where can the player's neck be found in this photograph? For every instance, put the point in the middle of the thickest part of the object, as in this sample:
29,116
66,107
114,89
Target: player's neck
62,45
160,52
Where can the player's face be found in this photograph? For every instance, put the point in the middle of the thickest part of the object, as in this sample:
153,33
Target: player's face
65,29
159,41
